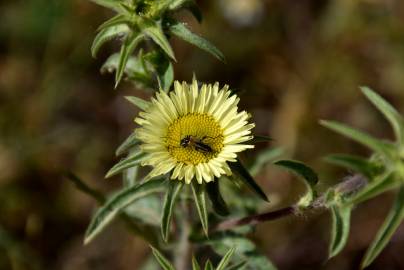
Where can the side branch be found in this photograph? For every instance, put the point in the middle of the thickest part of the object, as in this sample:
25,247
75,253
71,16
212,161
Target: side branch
351,185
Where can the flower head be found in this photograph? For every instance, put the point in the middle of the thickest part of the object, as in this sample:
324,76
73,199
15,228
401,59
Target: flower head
193,132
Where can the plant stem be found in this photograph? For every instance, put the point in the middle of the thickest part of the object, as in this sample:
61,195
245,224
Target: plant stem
351,185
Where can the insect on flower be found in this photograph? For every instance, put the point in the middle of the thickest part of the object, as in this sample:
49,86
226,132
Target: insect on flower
197,144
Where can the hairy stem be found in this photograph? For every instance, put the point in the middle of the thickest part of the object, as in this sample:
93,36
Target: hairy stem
349,186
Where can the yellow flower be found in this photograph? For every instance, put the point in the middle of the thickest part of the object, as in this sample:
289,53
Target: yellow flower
193,132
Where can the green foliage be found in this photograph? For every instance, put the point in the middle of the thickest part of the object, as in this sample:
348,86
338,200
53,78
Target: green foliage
141,20
386,231
164,263
195,265
226,259
388,111
385,171
130,161
246,255
200,201
242,173
169,202
341,216
118,203
218,203
180,30
355,163
307,174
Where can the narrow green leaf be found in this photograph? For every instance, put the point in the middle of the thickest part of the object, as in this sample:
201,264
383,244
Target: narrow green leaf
129,176
129,142
153,30
208,265
169,201
307,174
361,137
166,77
119,19
195,265
164,263
106,35
138,102
117,203
127,48
247,179
388,111
300,169
260,139
111,4
218,203
340,228
181,31
386,231
226,259
128,162
355,163
377,186
200,201
263,158
146,210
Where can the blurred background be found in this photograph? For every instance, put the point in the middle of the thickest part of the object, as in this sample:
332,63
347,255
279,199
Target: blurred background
294,62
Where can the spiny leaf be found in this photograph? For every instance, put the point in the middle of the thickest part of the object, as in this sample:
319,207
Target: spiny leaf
131,161
117,203
195,265
263,158
127,48
169,201
106,35
129,142
138,102
388,111
355,163
200,201
307,174
226,259
153,30
341,216
218,204
390,225
181,31
361,137
247,179
164,263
